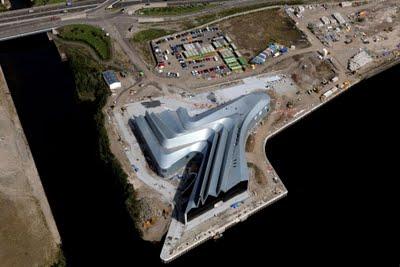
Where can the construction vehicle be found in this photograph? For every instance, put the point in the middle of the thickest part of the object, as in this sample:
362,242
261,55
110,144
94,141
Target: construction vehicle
346,84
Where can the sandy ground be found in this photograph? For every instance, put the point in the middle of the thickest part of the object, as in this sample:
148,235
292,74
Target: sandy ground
28,233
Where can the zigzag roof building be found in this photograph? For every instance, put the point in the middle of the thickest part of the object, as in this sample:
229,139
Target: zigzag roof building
215,139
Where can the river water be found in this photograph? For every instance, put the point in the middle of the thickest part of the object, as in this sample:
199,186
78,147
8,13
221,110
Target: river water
338,165
18,4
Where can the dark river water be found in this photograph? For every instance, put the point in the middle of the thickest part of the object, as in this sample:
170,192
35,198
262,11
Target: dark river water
339,165
18,4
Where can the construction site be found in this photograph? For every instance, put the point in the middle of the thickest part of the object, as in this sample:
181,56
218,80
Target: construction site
330,48
190,130
355,33
192,93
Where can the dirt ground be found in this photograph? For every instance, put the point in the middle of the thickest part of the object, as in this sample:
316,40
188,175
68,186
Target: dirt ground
253,32
28,233
309,71
154,215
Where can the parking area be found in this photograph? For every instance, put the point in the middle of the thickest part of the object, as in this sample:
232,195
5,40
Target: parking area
205,53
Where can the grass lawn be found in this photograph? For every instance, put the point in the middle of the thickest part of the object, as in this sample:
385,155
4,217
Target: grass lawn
173,10
92,36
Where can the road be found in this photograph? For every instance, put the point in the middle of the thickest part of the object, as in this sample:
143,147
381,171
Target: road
42,11
94,7
111,21
16,23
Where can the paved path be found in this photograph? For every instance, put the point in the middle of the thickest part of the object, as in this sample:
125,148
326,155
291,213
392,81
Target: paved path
134,154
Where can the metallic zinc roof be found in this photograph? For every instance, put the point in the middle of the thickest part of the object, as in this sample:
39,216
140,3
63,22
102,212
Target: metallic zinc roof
173,138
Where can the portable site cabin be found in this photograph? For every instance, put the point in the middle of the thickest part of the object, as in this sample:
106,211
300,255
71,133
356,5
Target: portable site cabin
111,80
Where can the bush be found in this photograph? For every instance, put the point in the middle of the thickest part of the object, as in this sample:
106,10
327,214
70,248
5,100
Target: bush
90,35
87,75
91,87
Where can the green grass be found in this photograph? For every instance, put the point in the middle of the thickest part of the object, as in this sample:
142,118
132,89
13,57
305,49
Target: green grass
150,34
92,36
173,10
60,261
2,7
87,74
46,2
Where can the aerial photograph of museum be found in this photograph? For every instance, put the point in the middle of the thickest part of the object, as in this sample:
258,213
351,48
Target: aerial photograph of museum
212,143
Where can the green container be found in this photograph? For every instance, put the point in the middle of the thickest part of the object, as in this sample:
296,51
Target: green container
242,61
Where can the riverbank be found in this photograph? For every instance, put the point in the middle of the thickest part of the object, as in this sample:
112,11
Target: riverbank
145,208
315,157
31,237
6,6
91,90
85,194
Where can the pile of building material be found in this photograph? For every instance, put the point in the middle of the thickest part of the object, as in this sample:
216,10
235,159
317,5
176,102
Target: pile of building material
298,11
273,50
346,4
359,60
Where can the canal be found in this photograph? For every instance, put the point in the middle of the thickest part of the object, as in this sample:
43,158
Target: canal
338,165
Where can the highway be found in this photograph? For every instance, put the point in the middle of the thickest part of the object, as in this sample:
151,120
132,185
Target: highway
17,23
39,11
27,21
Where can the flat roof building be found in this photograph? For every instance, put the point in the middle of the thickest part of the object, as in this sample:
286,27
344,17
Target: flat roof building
111,80
339,18
359,60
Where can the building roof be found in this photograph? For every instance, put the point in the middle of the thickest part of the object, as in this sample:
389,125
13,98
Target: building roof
339,18
359,60
173,138
110,77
